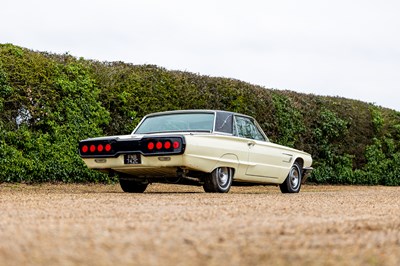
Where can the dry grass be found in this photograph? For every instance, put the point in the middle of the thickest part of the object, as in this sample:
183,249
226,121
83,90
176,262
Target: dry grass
179,225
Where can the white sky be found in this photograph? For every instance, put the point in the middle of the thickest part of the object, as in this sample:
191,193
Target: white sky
347,48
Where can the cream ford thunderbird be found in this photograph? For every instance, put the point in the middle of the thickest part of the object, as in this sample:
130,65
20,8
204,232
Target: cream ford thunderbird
215,149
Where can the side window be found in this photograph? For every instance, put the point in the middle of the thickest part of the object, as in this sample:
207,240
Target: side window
245,128
224,122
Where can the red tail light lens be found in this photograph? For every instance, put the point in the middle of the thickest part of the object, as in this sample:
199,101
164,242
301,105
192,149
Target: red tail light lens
92,148
159,145
176,144
167,145
85,149
100,148
108,147
150,146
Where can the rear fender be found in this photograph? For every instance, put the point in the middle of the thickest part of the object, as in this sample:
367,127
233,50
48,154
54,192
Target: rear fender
228,160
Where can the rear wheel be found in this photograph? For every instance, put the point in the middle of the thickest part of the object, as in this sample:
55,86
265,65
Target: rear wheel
132,186
292,182
220,180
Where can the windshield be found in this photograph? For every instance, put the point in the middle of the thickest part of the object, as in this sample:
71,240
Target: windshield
177,123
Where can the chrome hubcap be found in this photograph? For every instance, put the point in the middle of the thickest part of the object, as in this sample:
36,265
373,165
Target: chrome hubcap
223,176
294,177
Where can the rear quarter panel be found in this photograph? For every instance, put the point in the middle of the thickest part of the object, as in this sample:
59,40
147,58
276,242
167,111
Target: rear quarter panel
209,151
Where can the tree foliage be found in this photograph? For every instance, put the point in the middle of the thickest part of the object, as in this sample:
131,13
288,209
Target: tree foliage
49,102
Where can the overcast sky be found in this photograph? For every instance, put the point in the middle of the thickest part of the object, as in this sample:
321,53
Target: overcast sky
347,48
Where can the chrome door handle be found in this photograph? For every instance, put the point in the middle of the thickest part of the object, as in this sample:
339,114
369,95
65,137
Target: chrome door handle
251,143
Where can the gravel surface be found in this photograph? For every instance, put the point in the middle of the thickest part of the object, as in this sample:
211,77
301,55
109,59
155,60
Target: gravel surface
58,224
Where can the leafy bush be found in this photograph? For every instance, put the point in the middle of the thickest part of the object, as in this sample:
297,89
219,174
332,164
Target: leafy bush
49,102
47,106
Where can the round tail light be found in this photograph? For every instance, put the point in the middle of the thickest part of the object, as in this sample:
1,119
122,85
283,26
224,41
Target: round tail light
159,145
85,149
176,144
100,147
167,145
108,147
150,146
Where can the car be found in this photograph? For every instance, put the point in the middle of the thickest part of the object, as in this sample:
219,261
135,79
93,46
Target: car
213,148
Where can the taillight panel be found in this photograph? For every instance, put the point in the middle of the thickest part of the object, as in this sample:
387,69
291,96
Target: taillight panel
147,146
94,148
163,145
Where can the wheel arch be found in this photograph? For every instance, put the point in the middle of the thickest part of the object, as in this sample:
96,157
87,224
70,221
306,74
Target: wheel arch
300,161
229,160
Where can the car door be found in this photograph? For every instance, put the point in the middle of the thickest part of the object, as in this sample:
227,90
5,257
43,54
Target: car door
265,159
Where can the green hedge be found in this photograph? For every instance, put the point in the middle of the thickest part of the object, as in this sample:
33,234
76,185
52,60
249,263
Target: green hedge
49,102
46,106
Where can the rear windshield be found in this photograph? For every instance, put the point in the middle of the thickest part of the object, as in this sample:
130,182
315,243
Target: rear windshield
177,123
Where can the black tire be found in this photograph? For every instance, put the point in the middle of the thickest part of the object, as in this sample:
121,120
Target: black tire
131,186
220,180
292,182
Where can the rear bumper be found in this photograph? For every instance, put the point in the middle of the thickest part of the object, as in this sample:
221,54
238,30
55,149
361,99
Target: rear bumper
146,162
153,166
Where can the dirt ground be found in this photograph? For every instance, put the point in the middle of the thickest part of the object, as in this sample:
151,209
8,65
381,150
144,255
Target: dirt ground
181,225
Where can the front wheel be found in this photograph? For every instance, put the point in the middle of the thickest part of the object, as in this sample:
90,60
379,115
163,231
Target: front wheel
292,182
220,180
132,186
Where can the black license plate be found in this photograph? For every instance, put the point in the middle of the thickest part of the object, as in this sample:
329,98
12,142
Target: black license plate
132,159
